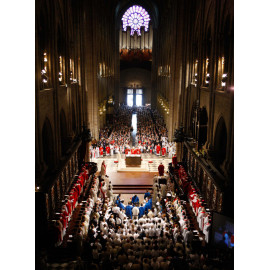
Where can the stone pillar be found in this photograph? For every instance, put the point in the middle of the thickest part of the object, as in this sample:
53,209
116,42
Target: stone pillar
87,153
179,151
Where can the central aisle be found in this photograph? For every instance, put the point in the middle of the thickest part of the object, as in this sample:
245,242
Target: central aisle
134,132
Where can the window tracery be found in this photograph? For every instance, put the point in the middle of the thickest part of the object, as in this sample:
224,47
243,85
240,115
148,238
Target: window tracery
136,17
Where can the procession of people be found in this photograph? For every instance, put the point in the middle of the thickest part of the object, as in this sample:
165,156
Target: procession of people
146,233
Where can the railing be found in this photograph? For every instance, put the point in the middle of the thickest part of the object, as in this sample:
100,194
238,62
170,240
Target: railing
210,183
60,183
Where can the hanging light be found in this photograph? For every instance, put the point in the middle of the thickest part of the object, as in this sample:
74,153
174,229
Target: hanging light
45,57
224,79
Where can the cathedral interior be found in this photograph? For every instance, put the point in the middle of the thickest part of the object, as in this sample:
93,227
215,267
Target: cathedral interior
175,57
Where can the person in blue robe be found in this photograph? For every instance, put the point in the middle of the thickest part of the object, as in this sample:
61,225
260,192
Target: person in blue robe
141,210
129,210
135,199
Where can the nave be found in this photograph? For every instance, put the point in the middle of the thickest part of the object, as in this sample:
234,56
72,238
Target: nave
122,86
146,216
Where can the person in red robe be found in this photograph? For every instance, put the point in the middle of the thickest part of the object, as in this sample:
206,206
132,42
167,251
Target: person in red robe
158,150
163,151
161,169
101,151
174,161
132,151
108,149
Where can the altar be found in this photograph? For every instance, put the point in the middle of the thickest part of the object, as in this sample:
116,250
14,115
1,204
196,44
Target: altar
133,160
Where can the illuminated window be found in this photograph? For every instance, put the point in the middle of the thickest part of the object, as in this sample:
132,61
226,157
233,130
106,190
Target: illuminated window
130,97
71,71
195,73
44,70
100,69
60,63
138,100
63,76
138,91
103,70
207,75
139,97
159,70
130,91
223,74
136,17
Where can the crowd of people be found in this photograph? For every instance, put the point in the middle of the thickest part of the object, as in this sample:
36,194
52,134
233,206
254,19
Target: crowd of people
62,218
151,136
198,206
154,233
115,136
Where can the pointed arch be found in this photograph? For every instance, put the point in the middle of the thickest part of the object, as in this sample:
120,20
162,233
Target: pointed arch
203,124
220,142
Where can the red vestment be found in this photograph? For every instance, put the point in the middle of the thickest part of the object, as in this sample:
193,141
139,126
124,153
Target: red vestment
161,170
174,160
68,204
163,151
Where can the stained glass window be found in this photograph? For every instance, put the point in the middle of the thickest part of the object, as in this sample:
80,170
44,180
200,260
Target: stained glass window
136,17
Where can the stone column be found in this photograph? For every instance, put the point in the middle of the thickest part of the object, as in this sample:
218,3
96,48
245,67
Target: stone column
179,151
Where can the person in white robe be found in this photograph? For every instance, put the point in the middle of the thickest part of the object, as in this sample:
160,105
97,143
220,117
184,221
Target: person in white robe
97,152
169,152
135,212
93,152
103,170
206,230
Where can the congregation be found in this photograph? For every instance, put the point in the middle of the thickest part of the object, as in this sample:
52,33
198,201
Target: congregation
155,233
151,136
